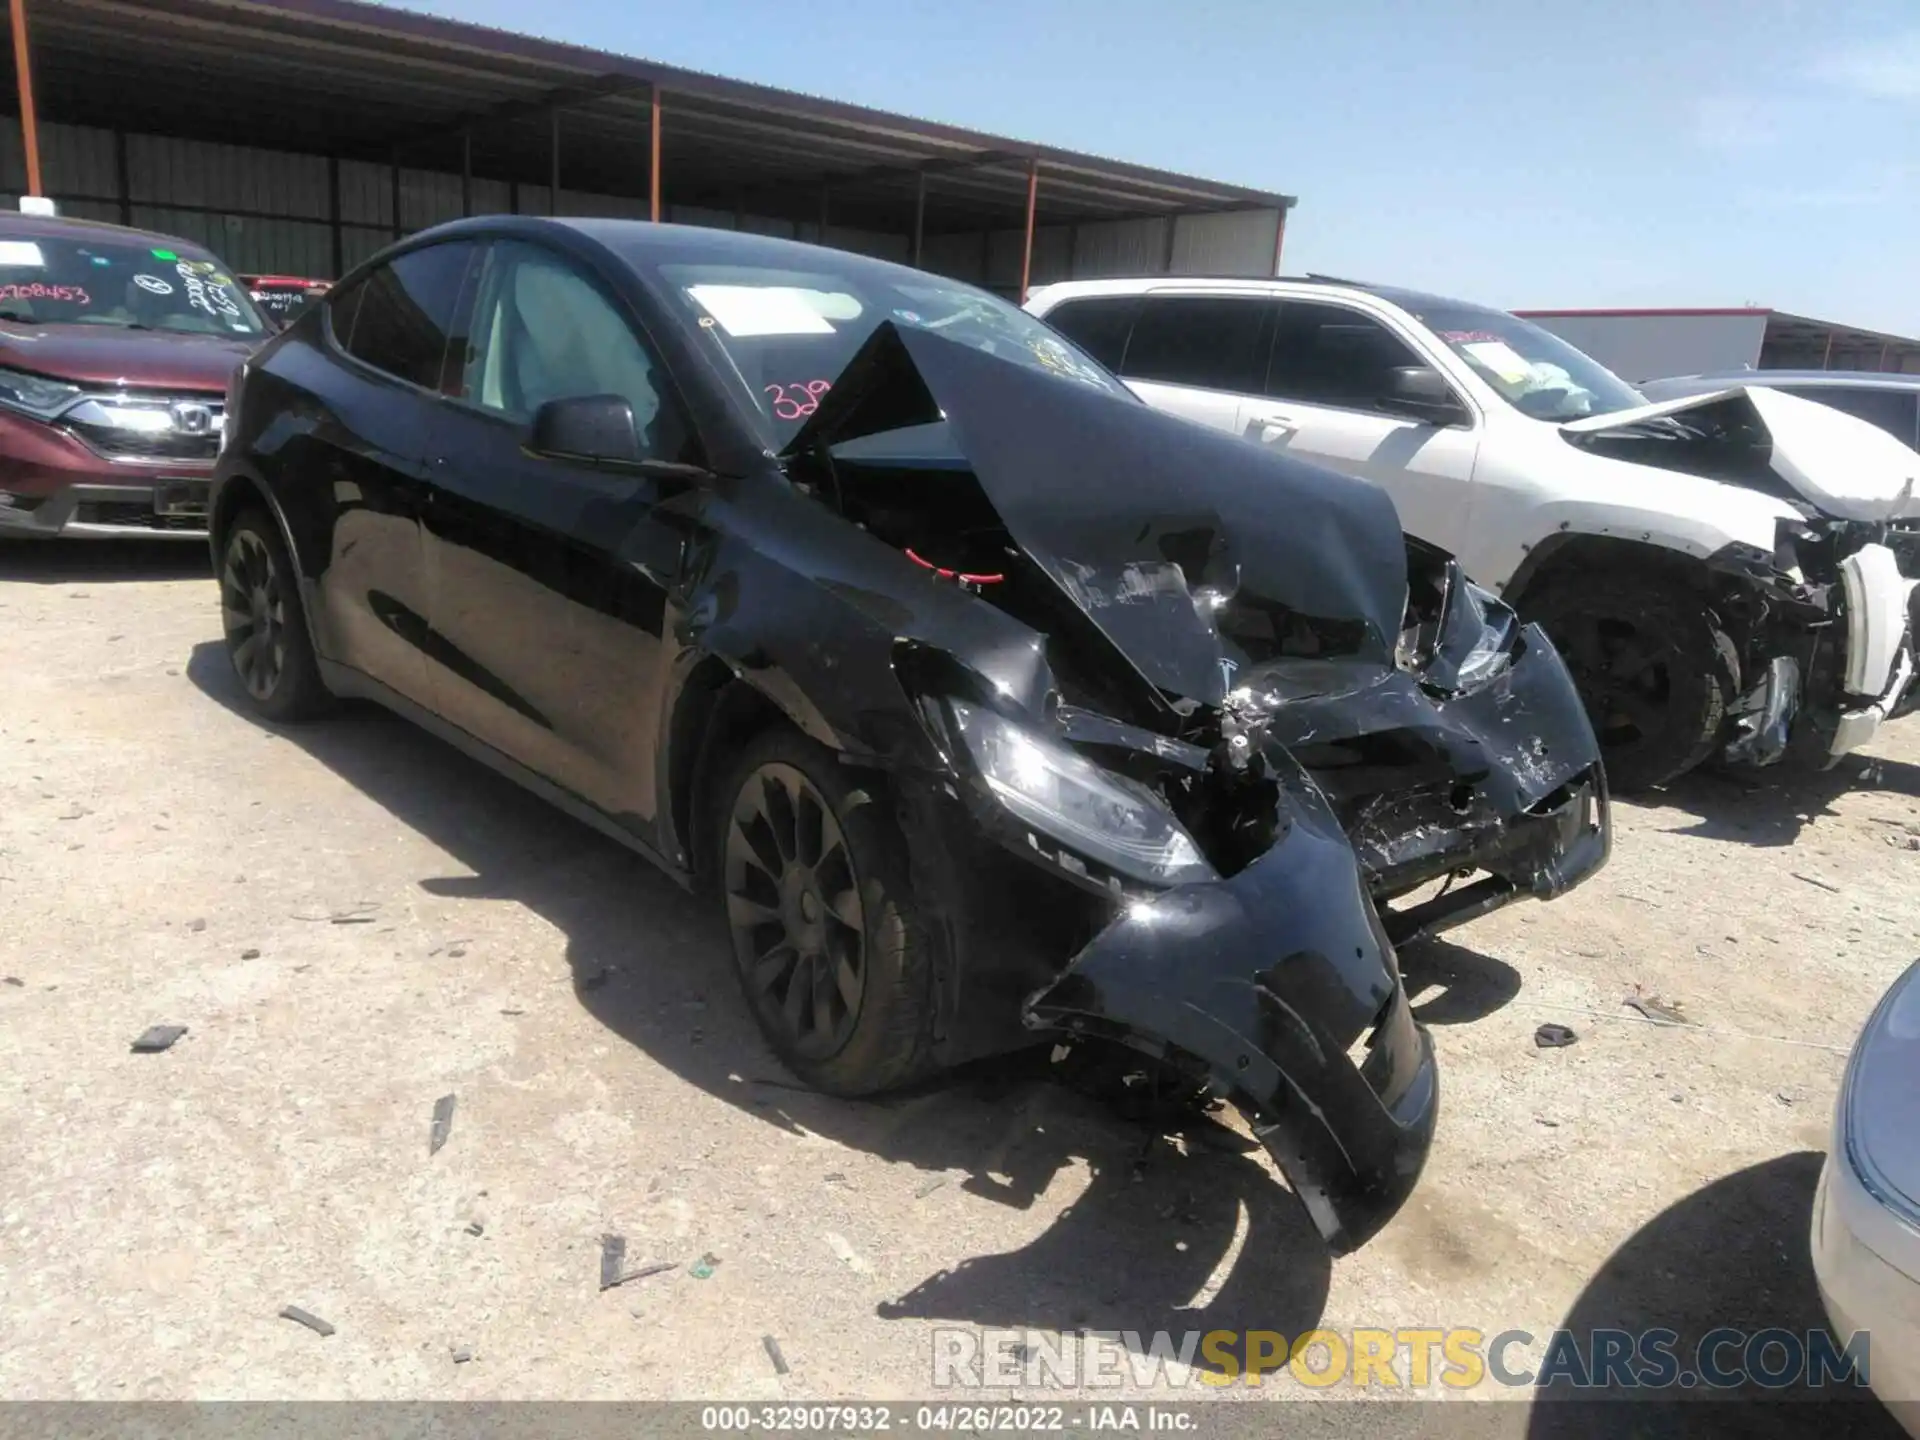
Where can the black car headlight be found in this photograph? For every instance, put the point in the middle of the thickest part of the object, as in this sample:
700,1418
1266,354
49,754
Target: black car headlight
35,395
1106,817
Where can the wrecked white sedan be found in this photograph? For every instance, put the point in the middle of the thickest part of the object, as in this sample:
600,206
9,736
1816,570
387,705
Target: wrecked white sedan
1730,572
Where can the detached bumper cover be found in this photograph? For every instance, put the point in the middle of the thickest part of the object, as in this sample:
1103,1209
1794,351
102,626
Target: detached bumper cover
1271,980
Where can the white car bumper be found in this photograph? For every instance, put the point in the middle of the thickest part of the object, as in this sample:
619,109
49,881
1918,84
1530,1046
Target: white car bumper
1865,1258
1880,647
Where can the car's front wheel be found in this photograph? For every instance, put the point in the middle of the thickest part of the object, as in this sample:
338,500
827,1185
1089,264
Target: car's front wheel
1653,669
265,623
826,936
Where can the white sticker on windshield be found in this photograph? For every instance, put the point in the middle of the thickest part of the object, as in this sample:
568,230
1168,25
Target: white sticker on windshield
21,252
1502,359
747,310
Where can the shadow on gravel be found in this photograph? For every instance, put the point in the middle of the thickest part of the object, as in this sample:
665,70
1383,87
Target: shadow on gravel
1733,1254
1173,1199
1771,807
102,562
1472,985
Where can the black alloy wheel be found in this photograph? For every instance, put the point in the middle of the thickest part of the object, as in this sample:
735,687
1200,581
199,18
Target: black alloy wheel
794,906
253,603
265,623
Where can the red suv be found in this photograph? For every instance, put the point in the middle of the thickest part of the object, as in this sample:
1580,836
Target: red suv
115,351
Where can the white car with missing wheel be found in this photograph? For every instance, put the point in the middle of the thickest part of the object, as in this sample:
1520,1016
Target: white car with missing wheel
1866,1213
1730,572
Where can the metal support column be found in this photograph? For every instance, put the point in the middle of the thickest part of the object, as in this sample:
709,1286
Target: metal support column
919,214
1279,239
333,217
394,195
1826,358
553,161
466,172
1166,255
653,158
1026,251
29,121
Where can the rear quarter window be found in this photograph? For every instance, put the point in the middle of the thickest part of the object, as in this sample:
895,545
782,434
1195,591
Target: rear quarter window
397,319
1099,325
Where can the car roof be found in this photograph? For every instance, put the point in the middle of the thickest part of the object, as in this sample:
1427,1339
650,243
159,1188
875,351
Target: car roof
15,226
1414,300
1838,379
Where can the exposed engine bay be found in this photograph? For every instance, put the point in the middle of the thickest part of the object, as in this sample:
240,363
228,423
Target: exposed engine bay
1819,632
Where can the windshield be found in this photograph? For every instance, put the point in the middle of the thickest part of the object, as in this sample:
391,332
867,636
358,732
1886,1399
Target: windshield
1535,371
789,332
53,280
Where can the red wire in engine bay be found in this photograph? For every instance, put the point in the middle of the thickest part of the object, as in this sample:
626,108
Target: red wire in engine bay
946,574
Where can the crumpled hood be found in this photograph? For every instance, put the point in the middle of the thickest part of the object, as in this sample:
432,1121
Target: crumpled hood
1195,553
1840,464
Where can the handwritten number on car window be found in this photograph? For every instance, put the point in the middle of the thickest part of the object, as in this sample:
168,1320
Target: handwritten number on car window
798,400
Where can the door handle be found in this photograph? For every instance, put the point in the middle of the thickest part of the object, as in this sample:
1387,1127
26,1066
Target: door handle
1271,429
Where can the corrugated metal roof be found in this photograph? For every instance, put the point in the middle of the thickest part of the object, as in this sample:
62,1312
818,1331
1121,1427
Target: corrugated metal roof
366,81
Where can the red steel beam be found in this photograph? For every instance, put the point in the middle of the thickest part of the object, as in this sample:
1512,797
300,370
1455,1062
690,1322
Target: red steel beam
29,123
653,160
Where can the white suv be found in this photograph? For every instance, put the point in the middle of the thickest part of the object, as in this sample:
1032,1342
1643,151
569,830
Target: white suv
1732,570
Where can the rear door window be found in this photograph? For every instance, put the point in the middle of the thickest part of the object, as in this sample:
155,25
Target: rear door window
1892,410
1211,342
1331,355
398,318
1099,325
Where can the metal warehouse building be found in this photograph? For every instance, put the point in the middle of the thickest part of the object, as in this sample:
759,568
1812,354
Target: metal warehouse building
299,136
1642,345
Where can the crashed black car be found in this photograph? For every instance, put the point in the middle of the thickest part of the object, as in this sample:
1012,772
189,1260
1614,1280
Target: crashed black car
991,701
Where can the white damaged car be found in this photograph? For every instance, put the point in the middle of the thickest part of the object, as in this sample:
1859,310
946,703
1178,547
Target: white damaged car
1733,571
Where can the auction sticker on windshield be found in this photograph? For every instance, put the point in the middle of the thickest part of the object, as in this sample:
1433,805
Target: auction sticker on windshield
22,253
748,310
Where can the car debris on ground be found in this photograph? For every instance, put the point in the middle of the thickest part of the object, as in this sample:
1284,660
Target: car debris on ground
1652,1007
311,1321
1554,1037
156,1038
442,1125
773,1354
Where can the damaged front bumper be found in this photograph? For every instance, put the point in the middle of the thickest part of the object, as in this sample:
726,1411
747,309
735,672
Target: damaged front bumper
1826,629
1279,985
1500,786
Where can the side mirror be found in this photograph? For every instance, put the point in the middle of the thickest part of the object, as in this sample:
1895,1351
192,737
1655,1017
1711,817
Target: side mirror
1422,391
596,428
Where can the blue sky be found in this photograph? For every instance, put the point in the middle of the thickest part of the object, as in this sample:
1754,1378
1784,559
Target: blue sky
1519,152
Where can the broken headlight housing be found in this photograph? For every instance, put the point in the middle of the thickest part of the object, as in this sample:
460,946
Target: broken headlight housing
1108,818
1491,625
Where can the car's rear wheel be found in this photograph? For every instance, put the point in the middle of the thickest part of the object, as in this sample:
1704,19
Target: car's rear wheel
265,623
1654,671
826,936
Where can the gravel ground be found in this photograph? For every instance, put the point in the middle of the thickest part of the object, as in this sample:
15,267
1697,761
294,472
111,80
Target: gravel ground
353,921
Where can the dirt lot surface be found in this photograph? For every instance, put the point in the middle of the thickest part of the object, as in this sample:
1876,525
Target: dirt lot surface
353,921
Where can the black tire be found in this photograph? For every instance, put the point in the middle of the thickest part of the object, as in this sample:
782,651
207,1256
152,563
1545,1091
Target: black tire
265,623
1654,670
831,954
